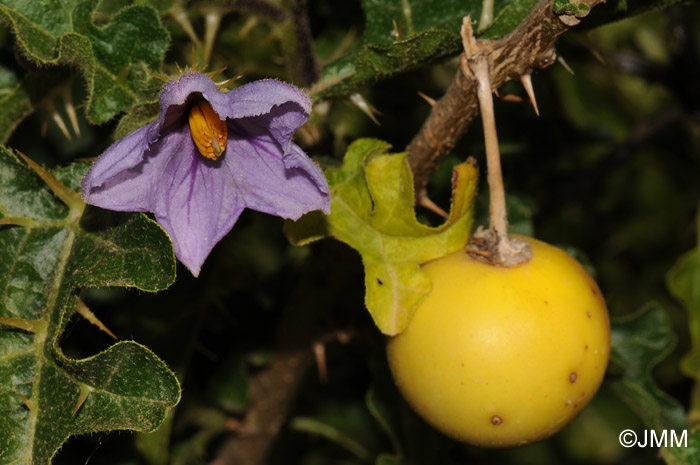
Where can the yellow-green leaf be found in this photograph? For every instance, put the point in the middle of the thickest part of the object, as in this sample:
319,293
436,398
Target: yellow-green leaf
372,210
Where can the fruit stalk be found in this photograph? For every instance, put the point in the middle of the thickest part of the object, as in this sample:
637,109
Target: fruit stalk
497,196
493,245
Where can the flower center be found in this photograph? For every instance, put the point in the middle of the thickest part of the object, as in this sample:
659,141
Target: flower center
209,133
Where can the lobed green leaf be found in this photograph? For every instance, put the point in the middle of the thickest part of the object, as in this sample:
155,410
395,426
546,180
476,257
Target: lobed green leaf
372,210
403,34
49,251
115,58
637,345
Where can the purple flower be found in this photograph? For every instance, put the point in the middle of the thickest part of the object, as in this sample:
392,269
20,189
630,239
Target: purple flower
197,172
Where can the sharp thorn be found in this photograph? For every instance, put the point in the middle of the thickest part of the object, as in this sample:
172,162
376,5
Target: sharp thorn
58,119
250,23
31,326
195,64
425,202
160,77
526,79
18,221
86,313
85,391
212,21
216,73
27,401
566,66
512,98
67,96
360,102
396,32
67,196
183,20
430,101
225,84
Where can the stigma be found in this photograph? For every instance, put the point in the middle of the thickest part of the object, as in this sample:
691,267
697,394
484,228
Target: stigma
209,133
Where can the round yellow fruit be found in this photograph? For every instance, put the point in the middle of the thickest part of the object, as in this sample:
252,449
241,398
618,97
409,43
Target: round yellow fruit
501,357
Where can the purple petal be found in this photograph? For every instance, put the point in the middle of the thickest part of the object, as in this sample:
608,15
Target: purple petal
118,180
197,203
286,185
287,107
174,96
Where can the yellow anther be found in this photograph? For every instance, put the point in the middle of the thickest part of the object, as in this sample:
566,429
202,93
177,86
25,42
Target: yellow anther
208,131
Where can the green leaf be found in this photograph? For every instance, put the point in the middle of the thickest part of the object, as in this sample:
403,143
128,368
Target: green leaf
15,102
382,416
683,454
637,345
115,59
47,252
332,433
372,210
403,34
616,10
683,281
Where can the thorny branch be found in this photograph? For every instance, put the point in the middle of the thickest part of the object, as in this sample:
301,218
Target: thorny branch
273,390
530,46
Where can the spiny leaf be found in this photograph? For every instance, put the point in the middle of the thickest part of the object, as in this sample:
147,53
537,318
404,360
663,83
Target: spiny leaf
114,59
45,397
403,34
637,345
372,210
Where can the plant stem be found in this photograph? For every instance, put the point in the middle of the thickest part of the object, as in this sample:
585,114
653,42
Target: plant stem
497,197
494,245
528,47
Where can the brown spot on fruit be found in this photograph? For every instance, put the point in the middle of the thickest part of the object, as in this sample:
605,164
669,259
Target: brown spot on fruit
496,420
380,282
586,347
572,377
588,314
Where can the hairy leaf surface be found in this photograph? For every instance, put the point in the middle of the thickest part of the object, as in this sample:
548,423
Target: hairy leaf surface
114,58
47,252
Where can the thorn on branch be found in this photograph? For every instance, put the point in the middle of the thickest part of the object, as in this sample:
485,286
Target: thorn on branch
365,107
430,101
526,80
425,202
566,66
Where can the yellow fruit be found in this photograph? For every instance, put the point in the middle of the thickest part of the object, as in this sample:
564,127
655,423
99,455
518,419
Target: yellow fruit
499,356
